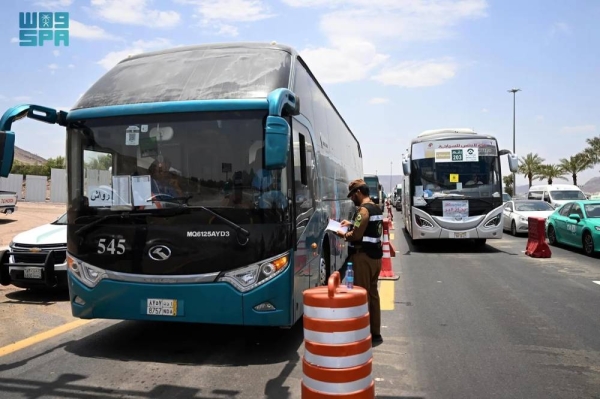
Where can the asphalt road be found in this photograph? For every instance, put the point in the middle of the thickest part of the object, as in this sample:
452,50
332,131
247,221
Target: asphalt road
460,323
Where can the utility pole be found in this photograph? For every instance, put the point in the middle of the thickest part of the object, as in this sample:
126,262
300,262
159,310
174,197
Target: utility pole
514,92
391,163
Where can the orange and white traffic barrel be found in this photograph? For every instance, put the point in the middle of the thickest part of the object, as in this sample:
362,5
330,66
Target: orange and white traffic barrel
338,358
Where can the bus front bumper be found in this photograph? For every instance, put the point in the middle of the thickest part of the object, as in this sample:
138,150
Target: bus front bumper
432,230
211,303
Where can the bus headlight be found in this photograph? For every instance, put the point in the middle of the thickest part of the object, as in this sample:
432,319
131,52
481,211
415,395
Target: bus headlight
84,272
495,221
249,277
422,222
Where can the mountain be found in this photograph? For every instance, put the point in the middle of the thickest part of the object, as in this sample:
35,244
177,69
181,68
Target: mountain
384,180
27,157
592,186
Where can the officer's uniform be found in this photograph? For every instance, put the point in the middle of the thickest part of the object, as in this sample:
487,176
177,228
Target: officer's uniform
365,250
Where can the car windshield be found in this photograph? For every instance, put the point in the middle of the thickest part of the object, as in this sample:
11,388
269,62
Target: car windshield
61,220
592,210
533,206
567,195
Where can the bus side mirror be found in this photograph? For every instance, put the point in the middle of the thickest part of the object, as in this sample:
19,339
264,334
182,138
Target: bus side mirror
406,167
277,142
7,152
513,163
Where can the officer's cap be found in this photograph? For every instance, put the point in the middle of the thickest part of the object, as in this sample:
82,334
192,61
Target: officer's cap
355,184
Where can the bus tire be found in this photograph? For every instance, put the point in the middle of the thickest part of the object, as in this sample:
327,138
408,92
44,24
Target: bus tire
324,263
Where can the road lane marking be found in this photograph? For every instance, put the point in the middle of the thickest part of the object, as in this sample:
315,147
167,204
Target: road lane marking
8,349
386,294
391,236
597,282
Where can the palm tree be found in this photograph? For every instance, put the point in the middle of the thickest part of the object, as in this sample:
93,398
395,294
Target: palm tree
550,172
592,152
530,166
574,165
508,185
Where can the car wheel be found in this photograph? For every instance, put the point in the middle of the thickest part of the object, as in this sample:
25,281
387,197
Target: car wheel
552,235
513,228
323,272
588,244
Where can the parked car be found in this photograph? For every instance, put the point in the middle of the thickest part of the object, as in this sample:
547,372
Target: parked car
8,202
576,224
28,252
517,213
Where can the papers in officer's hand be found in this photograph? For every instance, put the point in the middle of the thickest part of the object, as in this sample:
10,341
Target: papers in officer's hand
335,226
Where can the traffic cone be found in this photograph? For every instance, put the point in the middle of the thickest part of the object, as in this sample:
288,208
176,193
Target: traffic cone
386,272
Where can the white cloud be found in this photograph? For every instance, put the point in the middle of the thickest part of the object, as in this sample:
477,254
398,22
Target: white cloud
71,66
347,62
393,23
227,30
14,40
21,98
560,27
134,12
54,3
417,73
485,110
114,57
56,53
578,129
220,15
539,118
53,66
79,30
379,100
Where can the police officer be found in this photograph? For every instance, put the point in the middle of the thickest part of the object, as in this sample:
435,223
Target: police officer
365,248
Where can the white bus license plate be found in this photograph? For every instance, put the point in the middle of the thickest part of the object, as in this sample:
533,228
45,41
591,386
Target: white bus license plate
33,272
162,307
461,234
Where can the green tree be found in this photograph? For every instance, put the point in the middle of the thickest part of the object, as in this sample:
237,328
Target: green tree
101,162
574,165
508,185
592,152
550,172
530,166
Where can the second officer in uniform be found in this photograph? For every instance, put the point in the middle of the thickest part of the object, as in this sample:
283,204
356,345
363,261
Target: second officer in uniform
365,248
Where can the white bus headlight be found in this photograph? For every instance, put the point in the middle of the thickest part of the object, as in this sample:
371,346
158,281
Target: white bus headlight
249,277
86,273
495,221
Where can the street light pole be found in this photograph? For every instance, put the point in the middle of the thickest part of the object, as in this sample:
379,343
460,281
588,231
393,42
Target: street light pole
514,92
391,162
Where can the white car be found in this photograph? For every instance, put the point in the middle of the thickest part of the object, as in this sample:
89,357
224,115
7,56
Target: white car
26,266
517,213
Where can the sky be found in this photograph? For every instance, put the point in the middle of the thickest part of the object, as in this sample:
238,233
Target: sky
393,68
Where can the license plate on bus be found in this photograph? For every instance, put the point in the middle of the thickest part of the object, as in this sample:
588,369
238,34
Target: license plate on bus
461,234
162,307
33,272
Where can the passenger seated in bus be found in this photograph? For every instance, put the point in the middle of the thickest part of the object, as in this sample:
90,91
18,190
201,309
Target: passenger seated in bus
474,181
162,180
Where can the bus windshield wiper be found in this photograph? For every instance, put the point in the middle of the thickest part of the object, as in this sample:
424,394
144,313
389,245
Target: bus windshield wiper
228,222
124,215
183,206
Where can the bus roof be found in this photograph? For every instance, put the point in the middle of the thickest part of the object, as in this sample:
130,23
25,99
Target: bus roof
200,72
450,134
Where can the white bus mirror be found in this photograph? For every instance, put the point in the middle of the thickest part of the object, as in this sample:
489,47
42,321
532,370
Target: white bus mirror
513,163
406,167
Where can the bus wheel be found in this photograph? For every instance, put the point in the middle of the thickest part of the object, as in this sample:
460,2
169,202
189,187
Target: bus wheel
323,272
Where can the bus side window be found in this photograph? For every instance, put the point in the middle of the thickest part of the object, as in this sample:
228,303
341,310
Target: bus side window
304,176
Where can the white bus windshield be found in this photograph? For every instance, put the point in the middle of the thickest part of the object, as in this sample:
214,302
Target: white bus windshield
460,168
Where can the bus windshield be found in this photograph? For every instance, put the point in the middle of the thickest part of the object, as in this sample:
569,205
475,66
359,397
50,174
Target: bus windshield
463,168
160,161
373,184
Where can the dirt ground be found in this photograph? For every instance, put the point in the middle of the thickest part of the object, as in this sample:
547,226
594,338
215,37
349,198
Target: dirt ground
27,216
24,313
